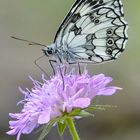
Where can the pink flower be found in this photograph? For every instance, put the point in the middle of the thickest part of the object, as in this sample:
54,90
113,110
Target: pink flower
48,100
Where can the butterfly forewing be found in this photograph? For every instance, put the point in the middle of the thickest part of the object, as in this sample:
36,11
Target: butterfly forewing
93,31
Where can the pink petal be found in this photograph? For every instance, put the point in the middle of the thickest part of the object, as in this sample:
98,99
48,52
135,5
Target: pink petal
108,91
44,117
29,127
12,132
82,102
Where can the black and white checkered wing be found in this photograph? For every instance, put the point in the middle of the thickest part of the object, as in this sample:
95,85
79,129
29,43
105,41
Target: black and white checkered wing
94,31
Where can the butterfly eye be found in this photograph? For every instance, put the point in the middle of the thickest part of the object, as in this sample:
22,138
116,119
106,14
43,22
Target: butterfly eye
109,32
96,21
49,51
110,42
109,51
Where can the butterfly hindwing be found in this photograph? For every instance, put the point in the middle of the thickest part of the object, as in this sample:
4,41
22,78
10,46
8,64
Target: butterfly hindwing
93,31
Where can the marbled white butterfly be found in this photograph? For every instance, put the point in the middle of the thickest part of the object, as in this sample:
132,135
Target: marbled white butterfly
94,31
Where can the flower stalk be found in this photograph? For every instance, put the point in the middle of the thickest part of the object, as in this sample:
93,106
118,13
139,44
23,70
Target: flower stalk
72,128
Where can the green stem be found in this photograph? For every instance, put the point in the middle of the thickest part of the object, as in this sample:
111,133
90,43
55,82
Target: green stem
72,129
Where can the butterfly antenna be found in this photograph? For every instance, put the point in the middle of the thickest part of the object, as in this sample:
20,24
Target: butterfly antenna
30,42
36,63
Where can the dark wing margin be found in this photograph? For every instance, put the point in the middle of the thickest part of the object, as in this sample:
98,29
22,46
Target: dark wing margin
68,17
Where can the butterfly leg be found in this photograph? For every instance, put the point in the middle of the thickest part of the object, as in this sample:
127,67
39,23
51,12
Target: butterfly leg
54,72
51,64
62,76
79,68
36,63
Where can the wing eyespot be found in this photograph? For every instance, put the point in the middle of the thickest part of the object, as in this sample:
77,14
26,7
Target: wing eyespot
110,42
109,32
109,51
92,16
96,21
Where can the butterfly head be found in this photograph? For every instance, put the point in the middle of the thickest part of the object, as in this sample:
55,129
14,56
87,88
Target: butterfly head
49,50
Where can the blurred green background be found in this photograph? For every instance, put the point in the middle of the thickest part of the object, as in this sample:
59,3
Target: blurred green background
38,20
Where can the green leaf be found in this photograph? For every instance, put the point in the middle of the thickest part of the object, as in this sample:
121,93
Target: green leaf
84,113
75,112
99,107
80,113
93,108
61,127
46,129
40,129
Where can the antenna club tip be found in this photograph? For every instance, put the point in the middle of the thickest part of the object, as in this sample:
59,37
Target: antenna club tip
13,37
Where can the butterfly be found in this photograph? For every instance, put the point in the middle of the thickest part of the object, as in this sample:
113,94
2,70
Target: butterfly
94,31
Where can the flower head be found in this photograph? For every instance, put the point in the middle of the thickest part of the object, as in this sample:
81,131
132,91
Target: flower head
55,97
